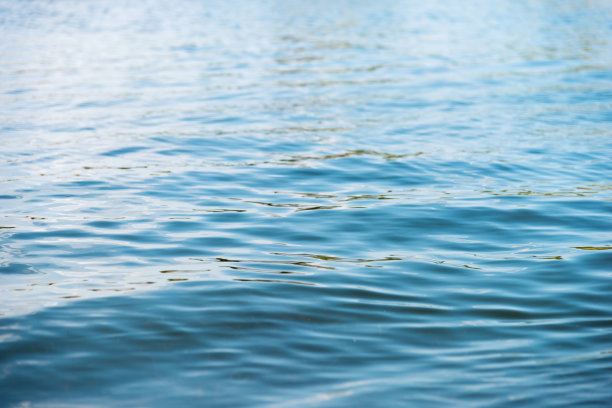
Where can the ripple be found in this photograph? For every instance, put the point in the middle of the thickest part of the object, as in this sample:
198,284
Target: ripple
594,248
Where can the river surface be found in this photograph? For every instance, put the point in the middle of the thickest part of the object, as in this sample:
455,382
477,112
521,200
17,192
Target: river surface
306,204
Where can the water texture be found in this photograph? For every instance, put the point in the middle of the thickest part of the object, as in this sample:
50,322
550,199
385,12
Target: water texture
306,204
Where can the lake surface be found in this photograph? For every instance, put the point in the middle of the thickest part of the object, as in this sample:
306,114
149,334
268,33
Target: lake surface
306,204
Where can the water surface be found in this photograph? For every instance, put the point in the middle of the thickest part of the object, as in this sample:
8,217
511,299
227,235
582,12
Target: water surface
300,204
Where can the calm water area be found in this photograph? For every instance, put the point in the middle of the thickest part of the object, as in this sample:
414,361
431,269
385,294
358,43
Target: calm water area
306,203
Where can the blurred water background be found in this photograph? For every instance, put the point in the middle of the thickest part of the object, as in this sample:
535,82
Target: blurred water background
306,203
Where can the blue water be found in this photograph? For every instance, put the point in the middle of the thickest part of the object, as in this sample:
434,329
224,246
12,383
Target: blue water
306,204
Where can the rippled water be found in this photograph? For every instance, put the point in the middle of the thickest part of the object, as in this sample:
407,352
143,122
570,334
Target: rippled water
296,204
